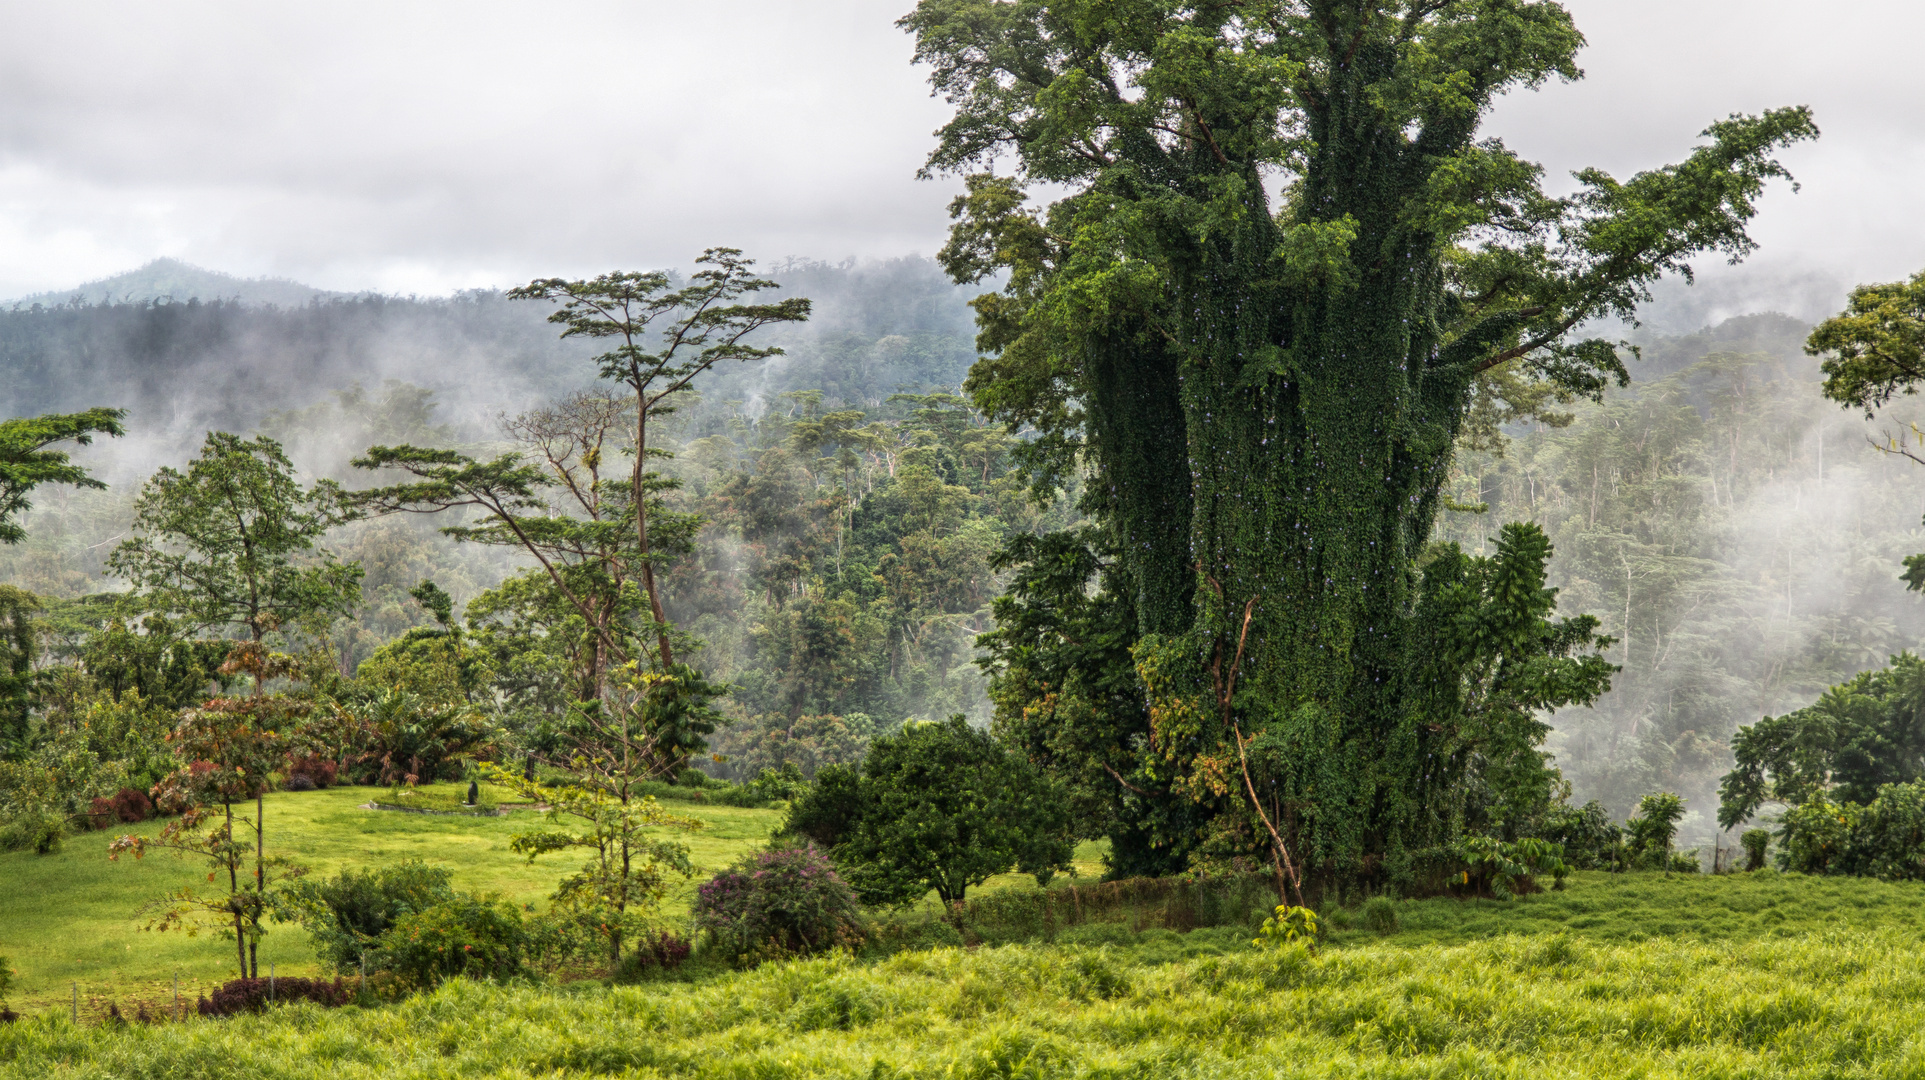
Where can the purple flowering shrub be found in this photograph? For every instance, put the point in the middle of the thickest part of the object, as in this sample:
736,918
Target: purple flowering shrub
779,903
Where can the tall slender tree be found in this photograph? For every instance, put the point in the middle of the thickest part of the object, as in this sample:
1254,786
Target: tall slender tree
663,338
1322,349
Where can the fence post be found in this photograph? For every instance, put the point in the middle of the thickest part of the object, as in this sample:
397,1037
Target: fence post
177,1015
270,982
76,1004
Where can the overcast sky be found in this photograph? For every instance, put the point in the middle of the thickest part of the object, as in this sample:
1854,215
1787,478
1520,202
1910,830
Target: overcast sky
422,147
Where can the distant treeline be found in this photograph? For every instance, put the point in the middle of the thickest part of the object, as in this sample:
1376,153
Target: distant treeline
186,367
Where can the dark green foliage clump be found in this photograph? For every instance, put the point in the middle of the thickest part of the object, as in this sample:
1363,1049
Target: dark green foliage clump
1067,695
1858,736
1512,869
1590,839
347,914
938,806
1755,842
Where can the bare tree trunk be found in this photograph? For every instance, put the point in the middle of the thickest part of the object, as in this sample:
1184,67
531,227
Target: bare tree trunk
641,535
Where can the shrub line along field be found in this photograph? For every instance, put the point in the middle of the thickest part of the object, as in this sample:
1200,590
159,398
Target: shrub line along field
71,916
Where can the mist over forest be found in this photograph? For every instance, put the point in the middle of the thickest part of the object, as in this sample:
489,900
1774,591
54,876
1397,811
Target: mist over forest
1734,531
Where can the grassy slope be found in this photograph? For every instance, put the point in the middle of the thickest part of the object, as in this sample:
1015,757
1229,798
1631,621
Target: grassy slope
69,916
1763,977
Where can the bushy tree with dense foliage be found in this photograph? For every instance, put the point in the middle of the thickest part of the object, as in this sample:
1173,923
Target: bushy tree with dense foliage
346,914
1268,394
1857,737
229,543
937,806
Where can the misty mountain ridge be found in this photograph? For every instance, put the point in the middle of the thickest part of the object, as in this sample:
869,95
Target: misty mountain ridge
173,281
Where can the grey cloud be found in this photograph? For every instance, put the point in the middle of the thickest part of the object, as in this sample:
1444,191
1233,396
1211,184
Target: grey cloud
427,146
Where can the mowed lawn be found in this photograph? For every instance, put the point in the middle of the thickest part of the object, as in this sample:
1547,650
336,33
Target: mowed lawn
73,917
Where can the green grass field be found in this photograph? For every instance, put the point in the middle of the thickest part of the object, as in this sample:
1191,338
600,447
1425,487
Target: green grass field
70,917
1763,977
1643,975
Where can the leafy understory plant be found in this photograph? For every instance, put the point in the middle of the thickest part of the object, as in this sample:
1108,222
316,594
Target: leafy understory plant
1287,926
1514,867
618,888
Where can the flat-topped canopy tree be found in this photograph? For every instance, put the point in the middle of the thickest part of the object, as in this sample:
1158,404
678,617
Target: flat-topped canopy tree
663,338
1268,389
593,531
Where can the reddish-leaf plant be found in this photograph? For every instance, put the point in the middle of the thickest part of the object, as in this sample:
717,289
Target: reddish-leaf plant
229,749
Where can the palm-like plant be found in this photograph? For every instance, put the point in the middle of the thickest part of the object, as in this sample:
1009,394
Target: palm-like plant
408,738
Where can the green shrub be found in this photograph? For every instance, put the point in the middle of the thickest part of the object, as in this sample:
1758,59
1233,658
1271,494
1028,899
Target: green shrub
1512,867
1755,842
1888,839
742,795
1814,836
1380,915
1589,838
1653,828
784,784
6,980
480,937
33,830
346,913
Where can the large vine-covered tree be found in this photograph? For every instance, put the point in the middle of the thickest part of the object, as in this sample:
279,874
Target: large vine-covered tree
1280,264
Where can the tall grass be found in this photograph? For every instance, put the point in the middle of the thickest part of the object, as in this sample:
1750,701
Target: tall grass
1836,1004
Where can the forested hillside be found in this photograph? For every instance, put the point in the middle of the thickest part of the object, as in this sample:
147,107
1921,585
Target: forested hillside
854,501
1736,532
